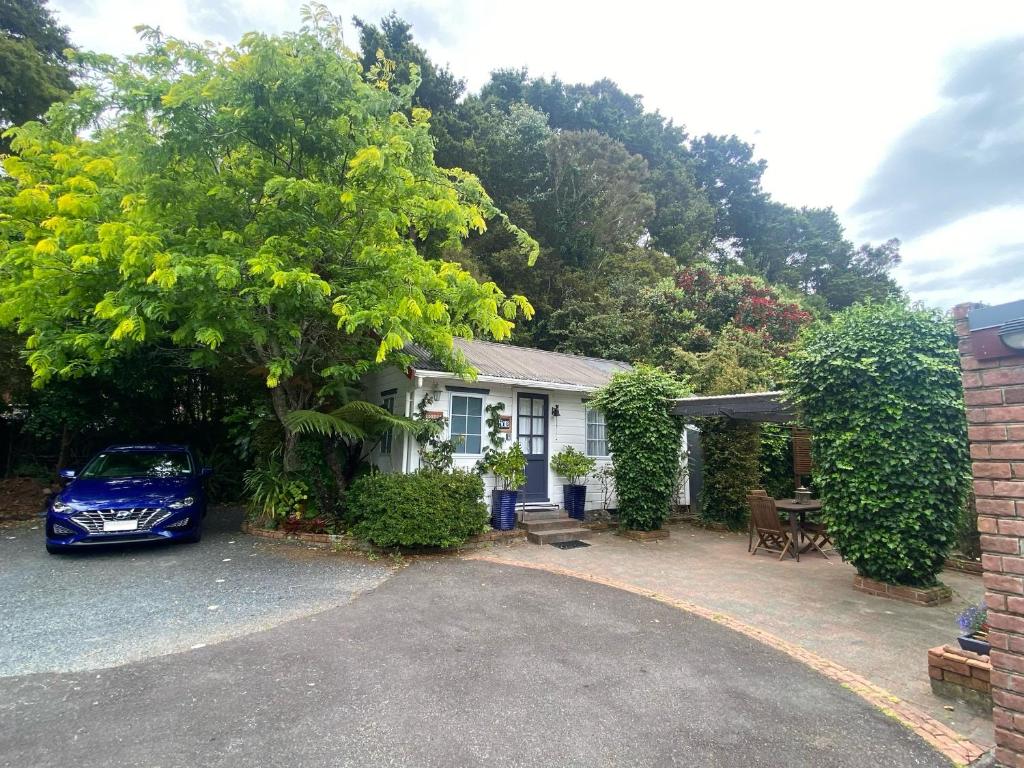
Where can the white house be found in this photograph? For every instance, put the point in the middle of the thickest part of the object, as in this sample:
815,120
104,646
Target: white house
544,395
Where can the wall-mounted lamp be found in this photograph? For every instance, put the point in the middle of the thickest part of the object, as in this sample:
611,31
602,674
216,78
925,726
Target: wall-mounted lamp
554,411
1012,334
996,331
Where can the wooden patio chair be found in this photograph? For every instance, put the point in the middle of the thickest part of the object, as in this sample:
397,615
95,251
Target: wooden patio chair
750,520
772,534
817,537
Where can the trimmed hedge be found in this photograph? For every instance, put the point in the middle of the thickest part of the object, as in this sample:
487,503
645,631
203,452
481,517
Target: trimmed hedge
423,509
880,389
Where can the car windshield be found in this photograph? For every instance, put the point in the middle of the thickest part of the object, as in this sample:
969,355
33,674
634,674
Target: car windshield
139,464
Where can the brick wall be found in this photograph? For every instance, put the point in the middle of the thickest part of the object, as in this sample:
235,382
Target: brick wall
994,392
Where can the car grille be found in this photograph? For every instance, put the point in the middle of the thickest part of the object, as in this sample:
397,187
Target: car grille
92,520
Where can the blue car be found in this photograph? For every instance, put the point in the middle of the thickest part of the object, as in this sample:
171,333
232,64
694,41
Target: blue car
129,493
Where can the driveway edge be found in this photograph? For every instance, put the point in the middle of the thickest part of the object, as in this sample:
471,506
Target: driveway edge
957,748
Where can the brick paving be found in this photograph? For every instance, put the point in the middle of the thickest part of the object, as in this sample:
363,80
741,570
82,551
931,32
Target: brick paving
874,646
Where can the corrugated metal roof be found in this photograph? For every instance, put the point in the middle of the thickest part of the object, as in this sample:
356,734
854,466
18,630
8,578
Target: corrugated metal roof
505,361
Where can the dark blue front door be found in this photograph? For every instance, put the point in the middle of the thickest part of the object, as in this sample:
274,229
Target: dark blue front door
532,431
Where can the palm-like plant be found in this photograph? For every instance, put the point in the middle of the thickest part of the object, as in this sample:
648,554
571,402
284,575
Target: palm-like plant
355,420
353,430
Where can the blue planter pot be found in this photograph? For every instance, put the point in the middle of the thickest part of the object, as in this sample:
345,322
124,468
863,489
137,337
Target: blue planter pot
503,509
574,498
975,645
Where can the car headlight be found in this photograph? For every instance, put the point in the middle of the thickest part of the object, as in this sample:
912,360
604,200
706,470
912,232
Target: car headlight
188,501
60,507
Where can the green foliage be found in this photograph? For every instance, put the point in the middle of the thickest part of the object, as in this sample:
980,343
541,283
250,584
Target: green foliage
508,467
436,453
732,452
644,440
572,464
777,461
357,419
880,389
423,509
34,70
274,494
267,205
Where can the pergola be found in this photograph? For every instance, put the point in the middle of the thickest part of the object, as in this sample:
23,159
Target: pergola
750,406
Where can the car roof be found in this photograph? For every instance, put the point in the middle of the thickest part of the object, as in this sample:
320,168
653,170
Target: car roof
138,447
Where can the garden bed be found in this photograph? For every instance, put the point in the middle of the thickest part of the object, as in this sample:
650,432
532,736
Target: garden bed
927,596
345,542
964,565
22,498
958,674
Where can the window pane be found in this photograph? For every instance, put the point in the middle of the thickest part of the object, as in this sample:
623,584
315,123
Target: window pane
524,405
458,425
472,444
538,445
538,407
474,406
524,425
538,426
473,425
524,443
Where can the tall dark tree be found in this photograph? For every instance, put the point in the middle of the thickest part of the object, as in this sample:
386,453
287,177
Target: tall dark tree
34,70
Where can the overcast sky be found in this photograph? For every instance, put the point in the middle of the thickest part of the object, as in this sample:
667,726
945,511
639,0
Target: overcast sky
906,116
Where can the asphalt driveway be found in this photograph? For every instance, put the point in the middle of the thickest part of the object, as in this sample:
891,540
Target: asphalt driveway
97,609
459,663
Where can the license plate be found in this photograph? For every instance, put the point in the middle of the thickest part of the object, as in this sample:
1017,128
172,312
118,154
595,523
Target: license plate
120,525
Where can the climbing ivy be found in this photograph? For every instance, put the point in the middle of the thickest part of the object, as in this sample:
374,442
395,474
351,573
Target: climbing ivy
880,389
644,439
734,450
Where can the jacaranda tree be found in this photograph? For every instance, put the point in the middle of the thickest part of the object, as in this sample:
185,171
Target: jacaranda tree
269,202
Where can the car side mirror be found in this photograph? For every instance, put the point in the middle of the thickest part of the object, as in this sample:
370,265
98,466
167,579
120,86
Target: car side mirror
67,474
206,472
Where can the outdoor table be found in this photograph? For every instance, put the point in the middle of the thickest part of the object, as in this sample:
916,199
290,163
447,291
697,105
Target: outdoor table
789,506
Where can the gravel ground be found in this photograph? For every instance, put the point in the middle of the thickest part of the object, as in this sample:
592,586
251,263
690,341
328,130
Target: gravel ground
99,609
457,663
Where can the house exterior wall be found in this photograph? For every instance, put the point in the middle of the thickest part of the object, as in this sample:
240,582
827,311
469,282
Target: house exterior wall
567,429
994,394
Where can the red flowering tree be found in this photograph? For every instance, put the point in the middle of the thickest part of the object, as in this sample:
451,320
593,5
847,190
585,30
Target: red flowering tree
743,328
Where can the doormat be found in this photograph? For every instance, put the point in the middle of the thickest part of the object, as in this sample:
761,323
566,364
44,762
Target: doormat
573,544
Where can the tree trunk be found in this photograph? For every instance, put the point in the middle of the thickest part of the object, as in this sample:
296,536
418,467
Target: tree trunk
66,436
286,397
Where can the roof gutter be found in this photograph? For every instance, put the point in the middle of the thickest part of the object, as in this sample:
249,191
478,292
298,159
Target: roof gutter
535,383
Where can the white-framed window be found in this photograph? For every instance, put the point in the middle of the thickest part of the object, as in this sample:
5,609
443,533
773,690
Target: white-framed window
387,402
597,434
466,424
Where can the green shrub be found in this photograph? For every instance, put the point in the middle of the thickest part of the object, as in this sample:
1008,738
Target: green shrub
732,451
572,464
274,494
644,439
880,389
423,509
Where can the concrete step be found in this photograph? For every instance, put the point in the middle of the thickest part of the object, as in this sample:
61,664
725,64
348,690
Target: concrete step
565,534
550,525
548,513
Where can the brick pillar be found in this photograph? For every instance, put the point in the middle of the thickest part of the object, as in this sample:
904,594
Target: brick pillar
994,393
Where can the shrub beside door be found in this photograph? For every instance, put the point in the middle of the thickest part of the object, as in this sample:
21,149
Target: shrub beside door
574,466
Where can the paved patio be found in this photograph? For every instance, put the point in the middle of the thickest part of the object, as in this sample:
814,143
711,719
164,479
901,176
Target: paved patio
810,604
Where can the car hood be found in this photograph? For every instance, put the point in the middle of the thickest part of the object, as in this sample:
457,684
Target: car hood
97,493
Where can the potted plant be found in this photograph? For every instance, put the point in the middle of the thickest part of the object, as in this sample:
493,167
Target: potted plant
574,466
509,469
974,630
